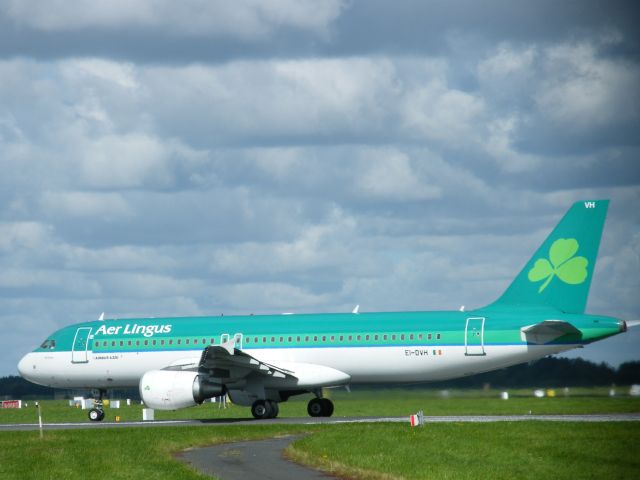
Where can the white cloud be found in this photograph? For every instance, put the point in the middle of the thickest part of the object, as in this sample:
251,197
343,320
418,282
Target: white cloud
246,19
388,174
20,235
85,204
581,89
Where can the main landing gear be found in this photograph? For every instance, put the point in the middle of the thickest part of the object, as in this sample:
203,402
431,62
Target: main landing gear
263,409
320,407
96,414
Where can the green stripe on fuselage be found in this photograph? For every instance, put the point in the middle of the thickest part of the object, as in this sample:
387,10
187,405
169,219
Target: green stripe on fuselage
431,329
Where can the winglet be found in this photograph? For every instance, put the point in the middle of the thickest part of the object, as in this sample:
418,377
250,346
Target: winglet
356,309
101,318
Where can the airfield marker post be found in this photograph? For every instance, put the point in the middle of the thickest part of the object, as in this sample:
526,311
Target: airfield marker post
40,419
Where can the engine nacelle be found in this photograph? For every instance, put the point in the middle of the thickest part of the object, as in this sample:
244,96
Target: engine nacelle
174,389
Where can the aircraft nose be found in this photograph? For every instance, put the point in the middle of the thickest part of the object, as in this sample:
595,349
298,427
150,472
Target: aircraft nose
25,365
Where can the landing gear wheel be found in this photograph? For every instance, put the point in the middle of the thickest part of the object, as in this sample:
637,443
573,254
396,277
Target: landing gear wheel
314,407
261,409
327,407
96,415
275,409
320,407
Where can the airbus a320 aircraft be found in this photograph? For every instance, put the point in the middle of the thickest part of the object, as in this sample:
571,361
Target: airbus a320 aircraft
262,360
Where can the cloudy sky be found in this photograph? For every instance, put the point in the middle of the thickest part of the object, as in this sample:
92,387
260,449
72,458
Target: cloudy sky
199,157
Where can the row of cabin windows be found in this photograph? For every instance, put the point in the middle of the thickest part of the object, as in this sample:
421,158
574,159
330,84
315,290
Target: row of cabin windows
248,339
342,338
137,343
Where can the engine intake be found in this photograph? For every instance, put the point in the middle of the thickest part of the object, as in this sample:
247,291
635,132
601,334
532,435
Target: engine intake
174,389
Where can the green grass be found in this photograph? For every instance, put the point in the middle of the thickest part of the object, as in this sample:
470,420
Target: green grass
460,451
127,453
365,403
437,451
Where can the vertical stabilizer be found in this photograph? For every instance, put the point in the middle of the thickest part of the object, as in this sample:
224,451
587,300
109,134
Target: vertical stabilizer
560,272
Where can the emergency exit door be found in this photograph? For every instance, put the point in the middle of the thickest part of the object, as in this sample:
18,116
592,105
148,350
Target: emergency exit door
474,336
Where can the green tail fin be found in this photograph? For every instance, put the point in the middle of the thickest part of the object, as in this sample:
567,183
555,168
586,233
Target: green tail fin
560,272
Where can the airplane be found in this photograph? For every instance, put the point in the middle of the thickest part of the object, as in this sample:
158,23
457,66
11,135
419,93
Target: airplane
262,360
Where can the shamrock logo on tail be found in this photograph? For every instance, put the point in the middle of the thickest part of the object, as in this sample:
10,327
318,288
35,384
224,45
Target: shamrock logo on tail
561,263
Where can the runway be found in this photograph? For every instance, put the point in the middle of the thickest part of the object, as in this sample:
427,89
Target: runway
615,417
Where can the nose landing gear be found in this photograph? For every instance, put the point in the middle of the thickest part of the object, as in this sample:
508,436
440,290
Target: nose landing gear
96,414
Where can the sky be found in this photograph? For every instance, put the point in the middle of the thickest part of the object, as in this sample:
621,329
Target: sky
205,157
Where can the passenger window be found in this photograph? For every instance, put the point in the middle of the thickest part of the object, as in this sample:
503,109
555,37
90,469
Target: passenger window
341,338
195,341
186,341
438,336
154,342
161,342
367,337
146,342
179,342
429,337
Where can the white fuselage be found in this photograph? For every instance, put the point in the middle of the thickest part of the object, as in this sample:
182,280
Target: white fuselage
377,365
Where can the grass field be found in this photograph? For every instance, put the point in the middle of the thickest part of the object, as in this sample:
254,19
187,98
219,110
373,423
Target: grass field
437,451
390,451
365,403
472,451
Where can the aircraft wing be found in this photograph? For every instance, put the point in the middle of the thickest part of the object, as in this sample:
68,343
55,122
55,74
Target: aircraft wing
232,364
225,364
549,330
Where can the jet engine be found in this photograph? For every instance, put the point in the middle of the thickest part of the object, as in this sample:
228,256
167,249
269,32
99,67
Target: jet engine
174,389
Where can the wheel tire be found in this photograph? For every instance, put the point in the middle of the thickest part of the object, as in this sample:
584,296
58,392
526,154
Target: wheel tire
315,407
96,415
260,409
327,407
275,409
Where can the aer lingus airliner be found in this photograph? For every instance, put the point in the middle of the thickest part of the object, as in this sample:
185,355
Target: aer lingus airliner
262,360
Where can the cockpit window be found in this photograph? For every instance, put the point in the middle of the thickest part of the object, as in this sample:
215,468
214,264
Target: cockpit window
49,343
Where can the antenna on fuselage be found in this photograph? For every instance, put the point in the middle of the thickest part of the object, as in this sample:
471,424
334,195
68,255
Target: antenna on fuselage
101,317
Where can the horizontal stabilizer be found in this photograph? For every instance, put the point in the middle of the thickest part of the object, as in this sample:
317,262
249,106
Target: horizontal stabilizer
548,331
